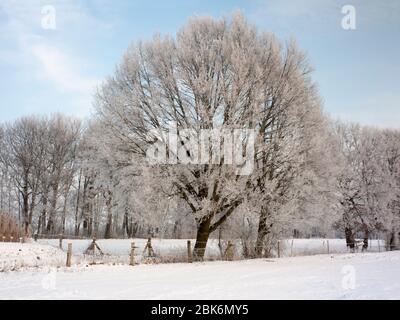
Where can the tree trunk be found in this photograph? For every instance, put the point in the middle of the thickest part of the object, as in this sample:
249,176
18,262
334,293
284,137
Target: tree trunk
108,231
32,208
203,233
392,241
42,226
39,225
64,214
366,237
264,228
25,208
77,224
53,207
66,194
350,240
128,226
90,224
176,232
125,226
133,228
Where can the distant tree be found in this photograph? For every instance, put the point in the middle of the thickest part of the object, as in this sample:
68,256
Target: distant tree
22,152
391,164
365,183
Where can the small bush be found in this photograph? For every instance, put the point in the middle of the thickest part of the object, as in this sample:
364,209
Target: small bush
9,229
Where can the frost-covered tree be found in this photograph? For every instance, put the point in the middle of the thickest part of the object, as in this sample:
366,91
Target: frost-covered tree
22,154
366,187
63,137
216,74
38,154
391,162
294,169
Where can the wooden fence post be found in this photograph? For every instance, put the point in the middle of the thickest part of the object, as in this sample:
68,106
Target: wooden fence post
60,241
379,245
69,255
150,248
327,245
132,260
291,249
229,251
189,252
279,248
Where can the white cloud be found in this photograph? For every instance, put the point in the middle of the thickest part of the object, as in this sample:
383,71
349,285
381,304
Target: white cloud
61,70
35,54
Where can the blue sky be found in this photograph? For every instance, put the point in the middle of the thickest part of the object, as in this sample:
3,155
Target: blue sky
47,71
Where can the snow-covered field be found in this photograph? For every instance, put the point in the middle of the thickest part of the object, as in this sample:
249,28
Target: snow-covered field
16,256
339,276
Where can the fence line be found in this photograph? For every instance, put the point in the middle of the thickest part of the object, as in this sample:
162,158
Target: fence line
179,250
137,252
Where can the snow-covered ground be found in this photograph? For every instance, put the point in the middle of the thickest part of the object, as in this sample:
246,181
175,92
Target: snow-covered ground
16,256
339,276
333,276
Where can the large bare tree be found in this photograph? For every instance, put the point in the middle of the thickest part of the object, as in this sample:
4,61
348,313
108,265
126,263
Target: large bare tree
216,74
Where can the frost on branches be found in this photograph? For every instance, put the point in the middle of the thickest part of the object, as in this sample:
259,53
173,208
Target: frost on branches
219,74
368,183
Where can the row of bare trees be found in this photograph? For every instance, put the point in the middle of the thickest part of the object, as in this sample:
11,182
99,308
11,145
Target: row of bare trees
53,180
38,160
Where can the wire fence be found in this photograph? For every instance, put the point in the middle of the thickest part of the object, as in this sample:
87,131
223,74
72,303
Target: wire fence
124,251
119,251
55,251
306,247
